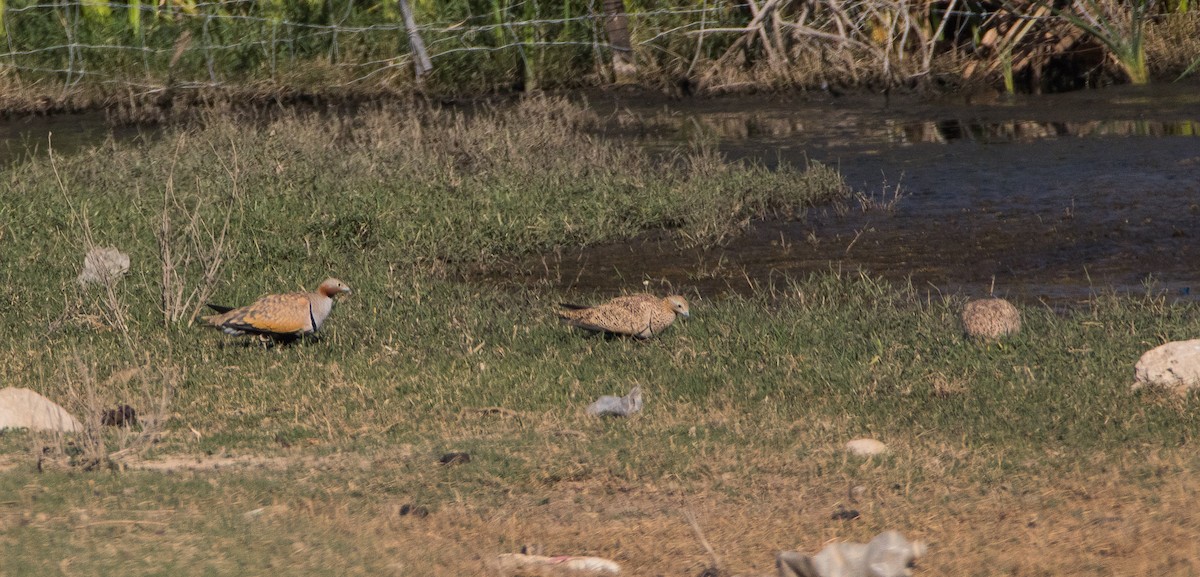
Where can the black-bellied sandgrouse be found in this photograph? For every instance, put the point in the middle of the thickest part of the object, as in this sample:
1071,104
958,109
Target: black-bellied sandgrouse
641,315
286,315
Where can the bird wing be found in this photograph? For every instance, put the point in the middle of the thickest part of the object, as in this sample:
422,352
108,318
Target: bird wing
635,301
624,317
274,314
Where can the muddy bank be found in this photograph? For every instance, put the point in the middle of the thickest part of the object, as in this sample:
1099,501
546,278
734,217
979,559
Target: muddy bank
1049,198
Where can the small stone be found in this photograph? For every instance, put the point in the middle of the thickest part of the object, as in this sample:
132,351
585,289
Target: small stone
610,406
889,554
103,264
418,511
990,319
122,416
514,564
1174,366
866,447
455,459
844,514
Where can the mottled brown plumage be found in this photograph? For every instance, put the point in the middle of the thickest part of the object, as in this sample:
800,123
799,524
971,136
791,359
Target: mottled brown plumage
640,315
280,315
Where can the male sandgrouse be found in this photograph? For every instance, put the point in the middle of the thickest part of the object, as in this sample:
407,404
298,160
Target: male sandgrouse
641,315
280,316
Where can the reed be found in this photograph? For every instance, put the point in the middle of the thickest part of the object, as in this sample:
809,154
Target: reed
489,45
1118,25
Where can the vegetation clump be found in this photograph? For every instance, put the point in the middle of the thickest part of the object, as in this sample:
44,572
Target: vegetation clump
990,319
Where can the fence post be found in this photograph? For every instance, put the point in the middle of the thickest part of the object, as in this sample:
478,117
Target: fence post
421,63
616,24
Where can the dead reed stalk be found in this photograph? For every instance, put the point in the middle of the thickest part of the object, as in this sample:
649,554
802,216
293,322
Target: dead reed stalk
190,249
113,309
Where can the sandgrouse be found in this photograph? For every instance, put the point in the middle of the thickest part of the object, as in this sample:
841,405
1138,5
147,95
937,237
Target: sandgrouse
641,315
280,316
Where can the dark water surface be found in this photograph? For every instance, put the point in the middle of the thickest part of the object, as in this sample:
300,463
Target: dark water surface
1038,197
29,137
1050,198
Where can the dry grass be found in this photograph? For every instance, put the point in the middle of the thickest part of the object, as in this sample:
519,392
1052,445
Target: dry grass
323,457
1173,43
366,514
191,247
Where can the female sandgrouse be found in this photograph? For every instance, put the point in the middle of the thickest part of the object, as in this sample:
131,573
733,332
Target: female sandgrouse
641,315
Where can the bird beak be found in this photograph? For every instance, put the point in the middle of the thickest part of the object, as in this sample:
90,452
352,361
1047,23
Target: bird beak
685,315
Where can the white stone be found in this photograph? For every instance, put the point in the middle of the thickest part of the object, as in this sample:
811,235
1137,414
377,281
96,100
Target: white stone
866,447
25,409
609,405
514,564
103,264
889,554
1174,366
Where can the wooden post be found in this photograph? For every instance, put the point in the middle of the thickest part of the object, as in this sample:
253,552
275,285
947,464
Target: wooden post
616,25
421,63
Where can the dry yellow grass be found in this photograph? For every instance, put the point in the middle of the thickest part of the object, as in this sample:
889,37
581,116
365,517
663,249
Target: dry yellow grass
374,513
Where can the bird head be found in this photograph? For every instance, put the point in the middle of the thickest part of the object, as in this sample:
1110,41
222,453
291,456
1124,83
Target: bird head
679,305
332,287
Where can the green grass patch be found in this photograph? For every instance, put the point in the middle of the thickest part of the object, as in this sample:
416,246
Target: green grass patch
313,458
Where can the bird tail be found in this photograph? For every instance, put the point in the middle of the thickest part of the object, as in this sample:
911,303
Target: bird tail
215,320
573,307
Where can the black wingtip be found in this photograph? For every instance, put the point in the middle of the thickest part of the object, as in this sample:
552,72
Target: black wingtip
220,309
573,307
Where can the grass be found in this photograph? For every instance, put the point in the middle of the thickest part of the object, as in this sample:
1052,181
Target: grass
1031,456
1119,27
153,57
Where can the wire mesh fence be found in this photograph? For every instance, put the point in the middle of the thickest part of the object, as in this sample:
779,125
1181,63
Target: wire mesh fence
210,43
485,42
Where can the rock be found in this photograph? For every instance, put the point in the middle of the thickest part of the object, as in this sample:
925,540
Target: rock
889,554
866,447
844,514
609,405
518,564
415,510
990,319
103,264
25,409
1174,366
455,458
122,416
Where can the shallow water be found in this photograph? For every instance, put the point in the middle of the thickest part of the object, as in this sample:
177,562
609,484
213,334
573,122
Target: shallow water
26,137
1051,198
